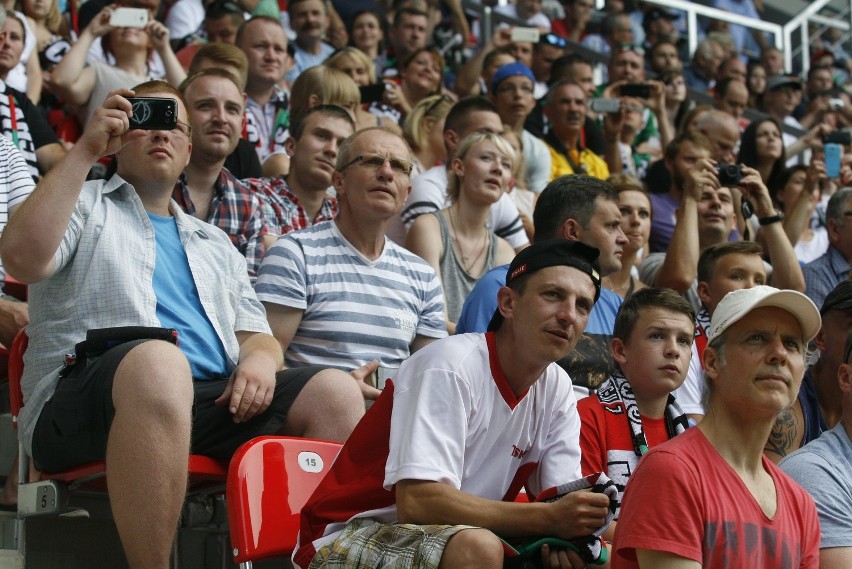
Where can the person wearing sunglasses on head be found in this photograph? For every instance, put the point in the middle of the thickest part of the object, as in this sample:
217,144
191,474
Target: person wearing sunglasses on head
339,293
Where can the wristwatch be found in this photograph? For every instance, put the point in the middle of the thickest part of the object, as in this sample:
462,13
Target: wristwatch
771,219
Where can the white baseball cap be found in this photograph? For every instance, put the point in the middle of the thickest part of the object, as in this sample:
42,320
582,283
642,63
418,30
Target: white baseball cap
738,303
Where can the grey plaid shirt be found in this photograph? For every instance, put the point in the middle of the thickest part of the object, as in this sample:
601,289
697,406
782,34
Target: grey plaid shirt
104,278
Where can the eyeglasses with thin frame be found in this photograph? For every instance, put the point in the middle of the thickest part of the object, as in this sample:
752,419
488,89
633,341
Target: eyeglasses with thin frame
184,128
399,166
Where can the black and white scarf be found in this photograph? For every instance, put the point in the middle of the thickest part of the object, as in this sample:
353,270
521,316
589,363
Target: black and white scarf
616,390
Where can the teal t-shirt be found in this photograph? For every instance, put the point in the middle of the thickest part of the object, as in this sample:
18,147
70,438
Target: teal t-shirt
179,306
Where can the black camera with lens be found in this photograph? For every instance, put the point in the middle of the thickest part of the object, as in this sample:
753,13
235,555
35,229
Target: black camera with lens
729,175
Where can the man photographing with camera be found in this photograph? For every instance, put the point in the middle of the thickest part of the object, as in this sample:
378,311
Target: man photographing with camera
107,255
705,216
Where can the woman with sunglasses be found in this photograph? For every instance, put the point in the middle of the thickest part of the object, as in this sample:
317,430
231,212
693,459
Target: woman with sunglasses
456,241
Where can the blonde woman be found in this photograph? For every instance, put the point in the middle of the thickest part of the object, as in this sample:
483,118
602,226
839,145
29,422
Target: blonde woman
424,131
357,65
456,241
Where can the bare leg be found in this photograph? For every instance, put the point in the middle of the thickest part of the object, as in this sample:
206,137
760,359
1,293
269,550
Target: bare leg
328,407
473,549
9,494
148,450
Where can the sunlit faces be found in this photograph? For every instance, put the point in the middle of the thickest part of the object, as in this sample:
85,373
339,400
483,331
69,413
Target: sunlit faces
514,98
604,232
10,52
309,19
757,79
684,161
313,157
370,191
367,32
353,68
626,65
715,214
582,75
409,33
768,141
549,315
731,272
763,364
664,57
265,46
782,100
566,109
725,139
542,61
735,100
423,70
484,173
657,353
155,155
635,208
676,89
523,52
216,109
222,30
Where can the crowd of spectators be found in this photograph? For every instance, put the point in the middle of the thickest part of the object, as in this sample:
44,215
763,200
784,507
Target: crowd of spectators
353,189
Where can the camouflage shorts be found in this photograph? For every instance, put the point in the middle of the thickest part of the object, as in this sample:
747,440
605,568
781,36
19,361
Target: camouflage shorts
370,544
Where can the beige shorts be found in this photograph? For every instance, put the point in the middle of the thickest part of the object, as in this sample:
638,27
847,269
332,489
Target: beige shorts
370,544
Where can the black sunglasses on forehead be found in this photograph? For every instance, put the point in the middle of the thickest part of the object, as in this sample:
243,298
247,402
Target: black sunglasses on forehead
554,40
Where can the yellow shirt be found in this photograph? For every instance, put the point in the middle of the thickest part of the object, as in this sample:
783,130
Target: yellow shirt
594,164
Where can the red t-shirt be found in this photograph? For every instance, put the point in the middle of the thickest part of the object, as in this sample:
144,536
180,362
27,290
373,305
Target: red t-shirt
606,441
686,500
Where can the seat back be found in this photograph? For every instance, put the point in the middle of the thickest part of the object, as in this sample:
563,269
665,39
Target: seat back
269,480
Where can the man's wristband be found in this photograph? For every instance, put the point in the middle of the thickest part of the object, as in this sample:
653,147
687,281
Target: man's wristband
770,219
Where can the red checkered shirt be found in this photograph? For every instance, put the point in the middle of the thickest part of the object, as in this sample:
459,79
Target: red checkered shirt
236,211
282,209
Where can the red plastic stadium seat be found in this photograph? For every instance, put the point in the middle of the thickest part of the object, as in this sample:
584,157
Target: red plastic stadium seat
269,480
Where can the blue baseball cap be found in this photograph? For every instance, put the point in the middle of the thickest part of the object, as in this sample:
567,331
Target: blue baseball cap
511,70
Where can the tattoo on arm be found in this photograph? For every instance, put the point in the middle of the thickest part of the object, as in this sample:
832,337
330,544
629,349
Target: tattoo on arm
783,437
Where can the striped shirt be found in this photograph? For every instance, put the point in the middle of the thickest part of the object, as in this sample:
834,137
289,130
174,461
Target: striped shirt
15,184
356,310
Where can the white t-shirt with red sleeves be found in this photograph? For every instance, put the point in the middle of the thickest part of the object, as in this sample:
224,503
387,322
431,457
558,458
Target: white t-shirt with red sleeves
448,416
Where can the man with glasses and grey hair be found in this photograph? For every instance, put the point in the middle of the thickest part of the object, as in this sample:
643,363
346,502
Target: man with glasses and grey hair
339,293
824,468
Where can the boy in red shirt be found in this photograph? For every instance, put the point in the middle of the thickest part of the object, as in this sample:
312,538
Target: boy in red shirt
634,408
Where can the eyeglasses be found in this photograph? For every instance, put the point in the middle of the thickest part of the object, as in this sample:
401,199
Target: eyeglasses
184,128
554,40
375,161
522,89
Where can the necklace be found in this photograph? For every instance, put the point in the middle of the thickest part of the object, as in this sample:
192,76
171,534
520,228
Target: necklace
464,258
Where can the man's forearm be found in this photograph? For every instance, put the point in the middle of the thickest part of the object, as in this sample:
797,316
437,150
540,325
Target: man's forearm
260,344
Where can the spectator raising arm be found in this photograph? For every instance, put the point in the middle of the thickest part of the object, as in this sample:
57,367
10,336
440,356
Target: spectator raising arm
29,243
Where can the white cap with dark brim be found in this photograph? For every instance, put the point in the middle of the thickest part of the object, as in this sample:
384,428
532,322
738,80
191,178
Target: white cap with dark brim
735,305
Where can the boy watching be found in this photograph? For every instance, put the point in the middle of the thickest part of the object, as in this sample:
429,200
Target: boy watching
722,268
634,409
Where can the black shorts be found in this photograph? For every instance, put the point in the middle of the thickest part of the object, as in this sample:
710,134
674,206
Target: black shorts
73,427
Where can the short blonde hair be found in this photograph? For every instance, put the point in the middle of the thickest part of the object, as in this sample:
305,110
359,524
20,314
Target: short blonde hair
471,140
432,108
359,56
330,86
